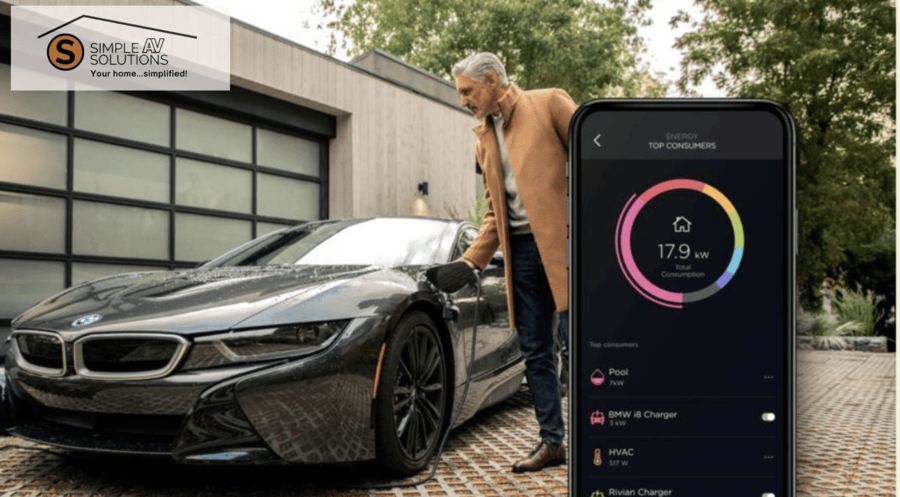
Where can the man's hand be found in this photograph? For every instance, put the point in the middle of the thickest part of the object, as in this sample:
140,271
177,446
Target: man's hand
452,276
467,261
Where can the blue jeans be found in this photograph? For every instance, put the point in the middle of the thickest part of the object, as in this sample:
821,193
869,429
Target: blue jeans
534,308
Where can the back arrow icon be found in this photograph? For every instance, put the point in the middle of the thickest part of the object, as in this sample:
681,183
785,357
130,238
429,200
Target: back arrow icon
597,138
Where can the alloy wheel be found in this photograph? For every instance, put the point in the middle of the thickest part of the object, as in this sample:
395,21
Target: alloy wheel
419,394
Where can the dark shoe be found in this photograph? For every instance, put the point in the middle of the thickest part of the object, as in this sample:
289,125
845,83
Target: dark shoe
544,455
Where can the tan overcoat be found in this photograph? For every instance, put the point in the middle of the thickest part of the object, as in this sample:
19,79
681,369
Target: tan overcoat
536,133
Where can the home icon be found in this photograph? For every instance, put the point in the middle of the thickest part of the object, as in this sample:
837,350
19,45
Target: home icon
682,225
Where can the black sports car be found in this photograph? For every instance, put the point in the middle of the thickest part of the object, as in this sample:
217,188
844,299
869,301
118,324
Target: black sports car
318,343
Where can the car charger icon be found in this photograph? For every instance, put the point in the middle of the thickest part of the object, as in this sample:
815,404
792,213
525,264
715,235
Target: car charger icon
597,418
597,377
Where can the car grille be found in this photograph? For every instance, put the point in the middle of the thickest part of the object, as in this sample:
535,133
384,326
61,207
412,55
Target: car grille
123,356
107,356
127,355
43,353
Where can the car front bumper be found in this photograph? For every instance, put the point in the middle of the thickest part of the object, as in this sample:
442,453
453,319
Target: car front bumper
310,409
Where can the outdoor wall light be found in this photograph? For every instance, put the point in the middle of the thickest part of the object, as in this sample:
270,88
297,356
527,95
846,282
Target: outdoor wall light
420,206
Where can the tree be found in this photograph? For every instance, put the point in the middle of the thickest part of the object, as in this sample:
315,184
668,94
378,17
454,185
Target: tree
579,45
832,64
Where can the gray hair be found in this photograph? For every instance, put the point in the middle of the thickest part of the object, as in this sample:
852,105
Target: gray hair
478,64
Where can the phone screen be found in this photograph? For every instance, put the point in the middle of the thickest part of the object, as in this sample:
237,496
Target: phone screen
682,259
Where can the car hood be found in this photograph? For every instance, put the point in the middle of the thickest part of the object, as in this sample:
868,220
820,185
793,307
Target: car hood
204,300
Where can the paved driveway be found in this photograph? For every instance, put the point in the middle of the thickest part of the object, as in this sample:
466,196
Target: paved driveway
846,447
846,424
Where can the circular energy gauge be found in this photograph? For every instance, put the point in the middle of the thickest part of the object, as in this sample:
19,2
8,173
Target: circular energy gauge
673,242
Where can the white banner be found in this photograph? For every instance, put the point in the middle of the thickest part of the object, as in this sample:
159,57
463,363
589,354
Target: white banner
120,48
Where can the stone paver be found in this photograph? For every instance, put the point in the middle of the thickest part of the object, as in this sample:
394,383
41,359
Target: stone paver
846,424
846,447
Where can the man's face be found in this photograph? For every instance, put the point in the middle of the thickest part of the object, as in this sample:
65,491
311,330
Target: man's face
480,98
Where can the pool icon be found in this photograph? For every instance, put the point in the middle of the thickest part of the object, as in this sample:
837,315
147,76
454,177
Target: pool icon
597,377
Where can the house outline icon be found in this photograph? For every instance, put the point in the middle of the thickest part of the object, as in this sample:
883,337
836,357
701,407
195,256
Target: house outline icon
682,225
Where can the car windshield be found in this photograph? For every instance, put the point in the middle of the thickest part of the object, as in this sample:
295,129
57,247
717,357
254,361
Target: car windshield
383,242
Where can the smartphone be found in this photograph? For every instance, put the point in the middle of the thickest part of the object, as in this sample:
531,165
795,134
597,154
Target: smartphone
682,222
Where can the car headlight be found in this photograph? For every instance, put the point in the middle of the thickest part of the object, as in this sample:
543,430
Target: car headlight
262,344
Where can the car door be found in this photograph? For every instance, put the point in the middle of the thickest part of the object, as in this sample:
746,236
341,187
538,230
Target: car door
495,344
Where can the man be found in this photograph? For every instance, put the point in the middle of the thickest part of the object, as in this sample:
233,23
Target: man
522,149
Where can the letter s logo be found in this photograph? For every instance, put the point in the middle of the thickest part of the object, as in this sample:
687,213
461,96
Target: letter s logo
65,52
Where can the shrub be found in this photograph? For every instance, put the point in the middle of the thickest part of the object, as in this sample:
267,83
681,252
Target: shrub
860,307
825,329
873,266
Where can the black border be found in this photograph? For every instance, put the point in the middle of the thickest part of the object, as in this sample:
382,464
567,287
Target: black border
790,252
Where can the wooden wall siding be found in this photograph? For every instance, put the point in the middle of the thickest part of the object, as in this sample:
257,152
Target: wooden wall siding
340,191
397,137
389,138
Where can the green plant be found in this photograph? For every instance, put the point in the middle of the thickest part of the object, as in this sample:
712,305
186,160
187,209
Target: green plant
860,307
825,329
873,266
534,39
451,211
833,339
476,213
809,323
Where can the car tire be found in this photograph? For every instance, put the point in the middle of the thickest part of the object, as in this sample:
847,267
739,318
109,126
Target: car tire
412,396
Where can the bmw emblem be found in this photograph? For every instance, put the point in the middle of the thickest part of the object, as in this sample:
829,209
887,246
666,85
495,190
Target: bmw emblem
93,318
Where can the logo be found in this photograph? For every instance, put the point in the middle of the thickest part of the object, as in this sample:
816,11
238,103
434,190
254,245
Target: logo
65,52
136,48
93,318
